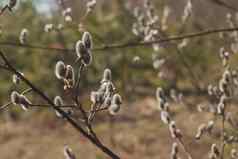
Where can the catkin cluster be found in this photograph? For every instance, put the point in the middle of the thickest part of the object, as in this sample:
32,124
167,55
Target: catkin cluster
105,96
165,114
66,74
146,20
83,48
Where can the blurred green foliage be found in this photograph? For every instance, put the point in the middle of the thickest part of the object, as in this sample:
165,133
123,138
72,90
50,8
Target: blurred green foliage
110,23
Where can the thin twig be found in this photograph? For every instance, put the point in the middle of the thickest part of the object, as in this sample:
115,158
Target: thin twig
49,106
84,113
5,106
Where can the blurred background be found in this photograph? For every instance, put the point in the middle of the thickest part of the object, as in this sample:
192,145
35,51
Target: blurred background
137,72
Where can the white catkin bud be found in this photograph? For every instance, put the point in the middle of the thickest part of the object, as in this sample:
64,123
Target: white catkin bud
234,154
187,11
175,133
68,18
15,97
103,87
183,44
69,75
60,26
227,75
58,101
166,13
223,86
160,96
87,58
114,109
80,49
96,97
174,152
107,75
210,126
23,35
115,105
159,93
157,63
200,131
107,101
172,129
221,107
91,5
136,12
136,59
18,99
110,88
60,70
214,152
210,89
165,117
16,79
87,40
48,28
66,11
24,102
68,153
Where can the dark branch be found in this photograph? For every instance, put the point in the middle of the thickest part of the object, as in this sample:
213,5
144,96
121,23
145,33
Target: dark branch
5,106
70,120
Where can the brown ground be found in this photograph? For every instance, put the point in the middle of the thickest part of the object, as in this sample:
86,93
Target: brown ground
138,133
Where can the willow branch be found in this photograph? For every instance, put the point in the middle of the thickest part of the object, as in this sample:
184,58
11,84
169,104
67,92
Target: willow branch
5,106
127,44
49,106
70,120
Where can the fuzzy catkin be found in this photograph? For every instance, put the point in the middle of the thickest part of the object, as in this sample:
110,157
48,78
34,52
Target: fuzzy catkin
15,97
115,105
58,101
68,153
60,69
19,99
174,152
165,117
23,36
107,76
87,40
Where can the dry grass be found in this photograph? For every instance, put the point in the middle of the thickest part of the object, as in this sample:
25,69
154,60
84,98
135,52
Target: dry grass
139,133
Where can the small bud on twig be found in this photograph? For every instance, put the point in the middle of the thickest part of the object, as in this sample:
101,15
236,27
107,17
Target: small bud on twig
19,99
115,105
